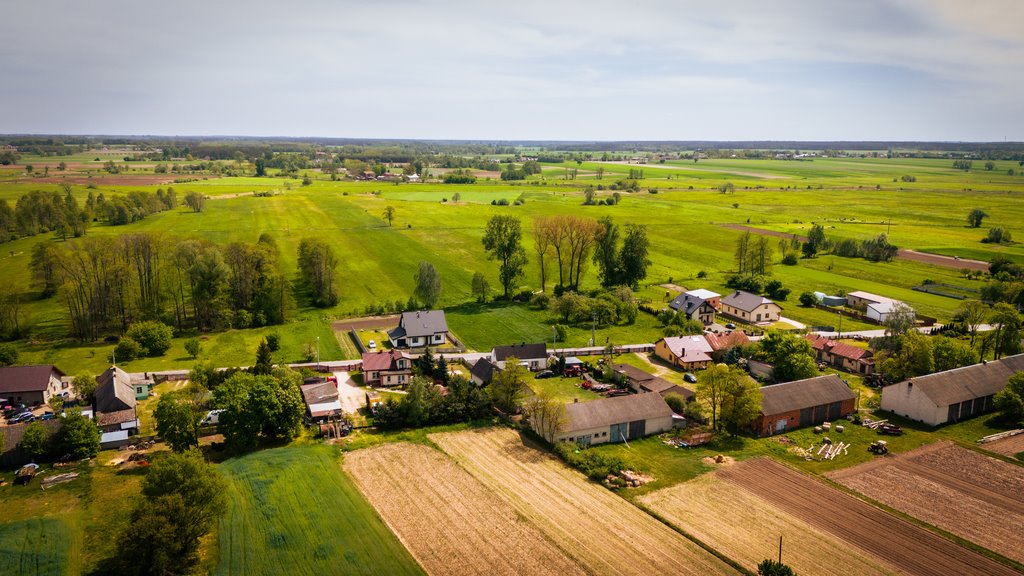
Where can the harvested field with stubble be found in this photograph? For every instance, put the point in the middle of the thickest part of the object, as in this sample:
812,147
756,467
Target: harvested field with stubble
911,549
965,493
747,529
449,521
605,534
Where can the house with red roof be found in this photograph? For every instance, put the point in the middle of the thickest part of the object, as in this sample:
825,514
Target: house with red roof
387,368
722,343
842,355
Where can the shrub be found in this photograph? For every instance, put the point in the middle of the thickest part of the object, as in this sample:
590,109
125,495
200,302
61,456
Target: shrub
153,338
127,349
790,259
594,464
808,299
540,301
676,402
8,354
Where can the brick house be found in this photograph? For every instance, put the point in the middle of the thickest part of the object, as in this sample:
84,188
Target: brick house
842,355
803,403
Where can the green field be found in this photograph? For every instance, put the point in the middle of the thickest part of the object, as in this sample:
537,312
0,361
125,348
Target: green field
34,547
684,221
293,511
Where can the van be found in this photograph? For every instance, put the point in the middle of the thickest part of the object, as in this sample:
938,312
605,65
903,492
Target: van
212,417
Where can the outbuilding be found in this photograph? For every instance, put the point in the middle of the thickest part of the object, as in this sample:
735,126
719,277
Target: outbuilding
533,356
615,419
802,403
953,395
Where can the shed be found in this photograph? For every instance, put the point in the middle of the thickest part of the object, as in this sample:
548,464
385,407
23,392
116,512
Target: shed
616,419
483,371
953,395
533,356
805,402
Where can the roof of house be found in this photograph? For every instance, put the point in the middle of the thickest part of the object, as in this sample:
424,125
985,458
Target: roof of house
868,296
799,394
13,434
116,417
664,387
383,360
745,300
886,307
703,294
484,370
114,391
728,340
689,348
687,303
633,373
418,324
969,382
521,351
27,378
319,393
608,411
841,349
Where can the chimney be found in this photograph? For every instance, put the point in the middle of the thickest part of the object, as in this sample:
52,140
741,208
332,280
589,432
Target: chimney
575,400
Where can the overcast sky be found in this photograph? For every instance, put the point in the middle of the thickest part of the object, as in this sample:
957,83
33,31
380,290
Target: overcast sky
552,69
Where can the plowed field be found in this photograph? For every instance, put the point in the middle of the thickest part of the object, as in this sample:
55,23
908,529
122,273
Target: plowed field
602,532
909,548
746,528
958,490
1007,446
450,522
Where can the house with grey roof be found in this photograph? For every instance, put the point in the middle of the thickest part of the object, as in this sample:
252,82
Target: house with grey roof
533,356
801,403
420,329
114,407
642,381
616,419
953,395
750,308
483,371
694,307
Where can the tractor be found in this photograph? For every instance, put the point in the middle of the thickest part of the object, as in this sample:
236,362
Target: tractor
879,447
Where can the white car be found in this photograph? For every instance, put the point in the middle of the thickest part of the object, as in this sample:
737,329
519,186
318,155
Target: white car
212,417
372,345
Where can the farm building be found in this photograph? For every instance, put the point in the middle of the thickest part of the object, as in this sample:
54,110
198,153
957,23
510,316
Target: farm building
10,454
322,401
533,356
686,352
952,395
483,371
875,307
713,298
31,385
722,343
803,403
115,407
750,307
387,368
615,419
641,381
842,355
830,301
419,329
694,308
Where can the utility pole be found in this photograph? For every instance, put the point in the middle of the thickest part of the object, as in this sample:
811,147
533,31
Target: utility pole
780,548
840,313
593,331
317,353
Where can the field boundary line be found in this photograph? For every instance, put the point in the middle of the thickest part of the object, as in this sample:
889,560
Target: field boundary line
721,556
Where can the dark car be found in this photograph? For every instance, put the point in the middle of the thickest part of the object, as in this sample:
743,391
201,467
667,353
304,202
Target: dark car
544,374
689,377
730,326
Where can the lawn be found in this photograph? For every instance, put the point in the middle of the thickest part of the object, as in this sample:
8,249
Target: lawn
293,510
34,547
564,389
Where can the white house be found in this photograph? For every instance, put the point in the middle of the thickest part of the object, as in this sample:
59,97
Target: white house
750,307
419,329
533,356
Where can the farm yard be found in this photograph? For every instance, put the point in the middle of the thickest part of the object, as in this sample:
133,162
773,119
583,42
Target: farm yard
449,520
603,533
293,511
747,528
965,493
909,548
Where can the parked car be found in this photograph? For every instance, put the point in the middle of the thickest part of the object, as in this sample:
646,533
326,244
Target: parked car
21,417
212,417
730,326
47,416
689,377
544,374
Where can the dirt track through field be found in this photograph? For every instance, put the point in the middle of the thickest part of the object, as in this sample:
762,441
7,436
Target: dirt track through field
902,253
747,528
448,520
968,494
601,531
908,547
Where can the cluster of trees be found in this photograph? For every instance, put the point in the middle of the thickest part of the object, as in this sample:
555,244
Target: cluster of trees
38,212
876,249
259,406
462,176
997,235
184,497
678,324
569,239
730,398
146,338
791,356
78,438
625,265
975,216
511,172
107,283
425,405
914,354
753,255
758,284
605,307
962,164
317,263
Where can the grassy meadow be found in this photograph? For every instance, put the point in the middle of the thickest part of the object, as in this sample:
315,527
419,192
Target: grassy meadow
854,198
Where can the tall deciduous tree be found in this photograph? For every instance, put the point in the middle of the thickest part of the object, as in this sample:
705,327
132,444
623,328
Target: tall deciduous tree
258,407
633,260
972,313
389,214
33,441
606,252
975,216
177,420
428,284
481,288
316,267
509,386
78,436
503,240
791,356
547,414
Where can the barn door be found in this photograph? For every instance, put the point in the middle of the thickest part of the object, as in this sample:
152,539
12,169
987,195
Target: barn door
619,432
807,416
637,429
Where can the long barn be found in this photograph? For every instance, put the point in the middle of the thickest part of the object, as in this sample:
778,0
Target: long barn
802,403
616,419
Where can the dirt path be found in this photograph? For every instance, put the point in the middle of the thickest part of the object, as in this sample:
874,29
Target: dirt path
906,546
367,322
902,253
698,169
351,397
